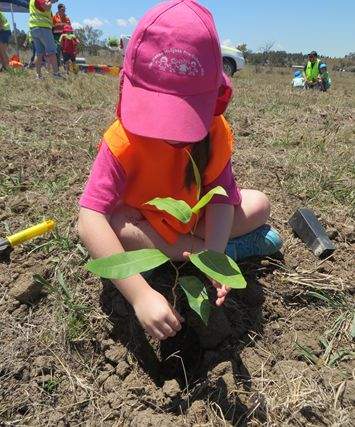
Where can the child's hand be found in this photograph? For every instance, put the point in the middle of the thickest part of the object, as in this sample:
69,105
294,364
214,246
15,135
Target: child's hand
157,316
222,290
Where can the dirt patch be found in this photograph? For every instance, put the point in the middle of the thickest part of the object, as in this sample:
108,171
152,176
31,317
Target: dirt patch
72,351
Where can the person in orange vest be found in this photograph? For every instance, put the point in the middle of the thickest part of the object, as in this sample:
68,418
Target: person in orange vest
171,101
15,62
60,21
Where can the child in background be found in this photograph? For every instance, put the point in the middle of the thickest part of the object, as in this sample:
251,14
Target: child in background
324,78
171,99
68,43
298,81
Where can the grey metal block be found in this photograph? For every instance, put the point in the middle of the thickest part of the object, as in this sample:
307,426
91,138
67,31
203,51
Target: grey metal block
307,227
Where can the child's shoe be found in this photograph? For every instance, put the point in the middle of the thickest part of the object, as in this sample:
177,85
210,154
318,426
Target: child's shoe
58,76
263,241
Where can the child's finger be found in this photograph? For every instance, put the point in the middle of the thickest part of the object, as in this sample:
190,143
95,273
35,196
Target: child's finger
167,330
186,254
178,316
174,323
220,301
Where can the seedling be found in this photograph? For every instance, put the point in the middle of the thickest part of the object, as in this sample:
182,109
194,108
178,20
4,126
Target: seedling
214,265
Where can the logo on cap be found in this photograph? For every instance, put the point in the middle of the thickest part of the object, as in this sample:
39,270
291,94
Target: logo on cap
179,62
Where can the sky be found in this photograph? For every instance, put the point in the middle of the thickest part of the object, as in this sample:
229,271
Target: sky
295,26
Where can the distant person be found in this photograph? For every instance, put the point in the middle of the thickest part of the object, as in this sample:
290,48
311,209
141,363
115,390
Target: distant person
311,70
298,81
60,20
324,78
5,34
68,44
41,24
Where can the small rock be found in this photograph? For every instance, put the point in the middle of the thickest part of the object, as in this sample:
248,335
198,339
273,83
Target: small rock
26,290
332,233
26,375
122,369
198,413
43,365
102,377
222,369
109,368
115,354
13,305
112,383
349,233
106,344
171,388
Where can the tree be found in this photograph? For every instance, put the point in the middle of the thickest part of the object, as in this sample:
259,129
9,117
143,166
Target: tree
242,47
90,38
21,38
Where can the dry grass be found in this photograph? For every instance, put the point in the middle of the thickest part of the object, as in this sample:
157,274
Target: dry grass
290,359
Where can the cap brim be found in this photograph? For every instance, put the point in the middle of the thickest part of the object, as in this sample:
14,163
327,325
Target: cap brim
166,116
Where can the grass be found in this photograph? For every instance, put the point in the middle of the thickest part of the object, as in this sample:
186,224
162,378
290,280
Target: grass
292,347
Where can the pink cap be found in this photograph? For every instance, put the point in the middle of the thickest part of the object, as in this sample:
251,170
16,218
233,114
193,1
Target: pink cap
67,29
172,73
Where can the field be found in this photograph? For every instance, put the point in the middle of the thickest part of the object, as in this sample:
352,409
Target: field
71,350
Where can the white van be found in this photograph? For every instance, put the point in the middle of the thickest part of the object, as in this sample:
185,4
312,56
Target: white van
233,59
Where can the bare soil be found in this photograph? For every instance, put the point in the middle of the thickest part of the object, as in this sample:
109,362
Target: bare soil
72,352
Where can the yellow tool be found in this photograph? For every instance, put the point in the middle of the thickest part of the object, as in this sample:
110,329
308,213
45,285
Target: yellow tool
25,235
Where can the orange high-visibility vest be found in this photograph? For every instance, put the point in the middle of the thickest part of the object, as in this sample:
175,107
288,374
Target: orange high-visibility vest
155,168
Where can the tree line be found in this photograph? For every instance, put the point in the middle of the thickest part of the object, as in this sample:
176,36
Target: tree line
91,41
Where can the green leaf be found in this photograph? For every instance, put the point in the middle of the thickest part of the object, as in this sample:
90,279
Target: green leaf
197,175
207,198
126,264
353,327
177,208
197,296
307,353
219,267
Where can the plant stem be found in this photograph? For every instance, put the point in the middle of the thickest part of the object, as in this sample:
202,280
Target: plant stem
176,283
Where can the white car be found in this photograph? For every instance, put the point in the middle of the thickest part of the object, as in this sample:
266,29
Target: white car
233,59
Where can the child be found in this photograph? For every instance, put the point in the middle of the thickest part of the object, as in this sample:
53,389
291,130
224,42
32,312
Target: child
324,78
172,95
68,43
298,81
